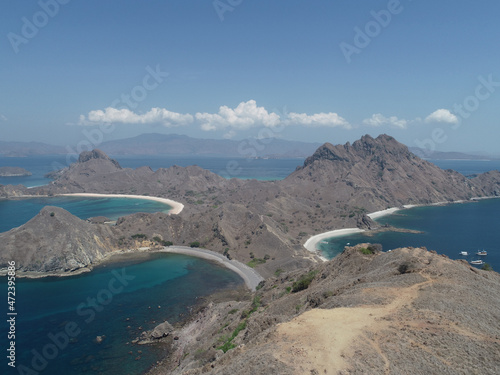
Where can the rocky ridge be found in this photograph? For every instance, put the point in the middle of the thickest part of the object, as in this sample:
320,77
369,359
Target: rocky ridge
267,222
408,311
55,241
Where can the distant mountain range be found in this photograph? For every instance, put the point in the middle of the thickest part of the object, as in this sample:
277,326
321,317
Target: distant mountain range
174,144
23,149
449,155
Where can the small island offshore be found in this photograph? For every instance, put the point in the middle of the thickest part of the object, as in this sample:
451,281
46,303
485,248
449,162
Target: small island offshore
14,172
304,314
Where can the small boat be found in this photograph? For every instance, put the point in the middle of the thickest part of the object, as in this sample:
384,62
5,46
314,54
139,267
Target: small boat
464,253
482,252
477,262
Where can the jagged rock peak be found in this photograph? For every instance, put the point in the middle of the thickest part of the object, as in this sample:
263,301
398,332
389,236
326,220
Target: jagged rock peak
367,145
96,154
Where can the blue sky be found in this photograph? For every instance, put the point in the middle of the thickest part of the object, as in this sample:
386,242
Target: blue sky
425,72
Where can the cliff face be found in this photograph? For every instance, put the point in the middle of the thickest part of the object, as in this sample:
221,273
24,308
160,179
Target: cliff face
408,311
381,172
335,188
55,241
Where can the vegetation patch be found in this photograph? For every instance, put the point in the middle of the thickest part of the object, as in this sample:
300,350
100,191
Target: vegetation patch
162,242
487,267
139,236
195,244
256,261
303,282
366,251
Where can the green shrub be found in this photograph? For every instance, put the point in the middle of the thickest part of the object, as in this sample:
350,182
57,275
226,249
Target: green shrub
366,251
256,261
487,267
278,272
303,282
195,244
139,235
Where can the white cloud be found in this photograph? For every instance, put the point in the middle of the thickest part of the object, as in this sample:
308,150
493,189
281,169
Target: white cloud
442,115
318,119
246,115
378,120
126,116
3,117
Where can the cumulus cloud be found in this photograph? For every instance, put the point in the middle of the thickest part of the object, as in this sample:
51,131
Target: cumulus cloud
126,116
245,116
442,115
378,119
318,119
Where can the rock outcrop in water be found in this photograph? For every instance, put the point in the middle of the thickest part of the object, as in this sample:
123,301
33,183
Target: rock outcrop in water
408,311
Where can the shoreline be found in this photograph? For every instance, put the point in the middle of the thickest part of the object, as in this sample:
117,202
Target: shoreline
177,207
312,242
250,276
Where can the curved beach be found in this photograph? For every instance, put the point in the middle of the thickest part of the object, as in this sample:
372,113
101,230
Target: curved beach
248,274
313,241
177,207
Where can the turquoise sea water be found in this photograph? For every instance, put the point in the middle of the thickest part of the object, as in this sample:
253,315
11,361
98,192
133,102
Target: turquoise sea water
14,213
176,282
447,229
100,303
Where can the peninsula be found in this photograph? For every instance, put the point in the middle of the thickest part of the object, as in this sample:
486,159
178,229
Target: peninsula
363,312
14,172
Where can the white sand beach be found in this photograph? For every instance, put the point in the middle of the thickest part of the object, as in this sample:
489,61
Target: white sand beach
176,206
314,240
377,214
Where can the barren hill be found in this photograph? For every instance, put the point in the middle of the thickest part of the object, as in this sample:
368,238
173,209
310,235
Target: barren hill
268,222
55,241
408,311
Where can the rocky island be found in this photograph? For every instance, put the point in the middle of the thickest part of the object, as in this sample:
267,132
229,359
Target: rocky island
363,312
14,172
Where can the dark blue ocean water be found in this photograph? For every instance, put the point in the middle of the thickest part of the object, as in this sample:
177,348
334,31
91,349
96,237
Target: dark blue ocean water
117,301
14,213
175,282
447,229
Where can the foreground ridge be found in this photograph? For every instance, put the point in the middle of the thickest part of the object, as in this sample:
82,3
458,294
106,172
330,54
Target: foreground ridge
379,313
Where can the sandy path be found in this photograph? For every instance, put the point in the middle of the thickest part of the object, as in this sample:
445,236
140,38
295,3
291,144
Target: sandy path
176,206
321,340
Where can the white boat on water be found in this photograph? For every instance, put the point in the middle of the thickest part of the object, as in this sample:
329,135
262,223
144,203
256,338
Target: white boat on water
482,252
464,253
477,262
